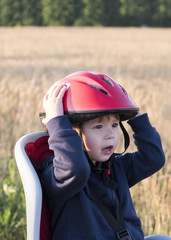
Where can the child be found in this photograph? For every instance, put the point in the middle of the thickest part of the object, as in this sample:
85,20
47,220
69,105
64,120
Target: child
83,189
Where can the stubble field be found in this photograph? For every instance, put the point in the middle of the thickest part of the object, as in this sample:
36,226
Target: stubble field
31,59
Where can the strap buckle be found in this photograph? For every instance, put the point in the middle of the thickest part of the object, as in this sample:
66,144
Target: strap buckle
123,235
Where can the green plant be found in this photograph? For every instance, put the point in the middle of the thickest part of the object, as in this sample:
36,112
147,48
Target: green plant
12,205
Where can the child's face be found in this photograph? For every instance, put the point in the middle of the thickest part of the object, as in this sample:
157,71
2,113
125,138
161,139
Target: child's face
100,137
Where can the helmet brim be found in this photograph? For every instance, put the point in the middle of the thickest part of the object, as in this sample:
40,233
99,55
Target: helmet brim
80,117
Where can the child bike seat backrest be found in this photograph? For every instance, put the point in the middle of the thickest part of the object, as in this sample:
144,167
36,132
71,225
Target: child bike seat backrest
34,146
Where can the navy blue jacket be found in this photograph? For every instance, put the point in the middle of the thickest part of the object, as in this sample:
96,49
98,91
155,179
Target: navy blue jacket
66,182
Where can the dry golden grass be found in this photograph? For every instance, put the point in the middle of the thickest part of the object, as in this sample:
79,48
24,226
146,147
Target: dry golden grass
31,59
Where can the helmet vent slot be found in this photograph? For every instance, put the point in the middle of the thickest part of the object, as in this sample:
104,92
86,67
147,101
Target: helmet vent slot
97,88
107,81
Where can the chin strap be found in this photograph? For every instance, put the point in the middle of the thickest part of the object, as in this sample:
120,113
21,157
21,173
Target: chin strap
126,138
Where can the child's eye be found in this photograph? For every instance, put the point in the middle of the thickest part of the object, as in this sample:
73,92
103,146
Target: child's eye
97,126
115,125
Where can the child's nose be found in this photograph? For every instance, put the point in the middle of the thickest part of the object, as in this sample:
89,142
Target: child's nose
109,134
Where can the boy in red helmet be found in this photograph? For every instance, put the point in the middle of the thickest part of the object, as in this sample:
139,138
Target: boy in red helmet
86,185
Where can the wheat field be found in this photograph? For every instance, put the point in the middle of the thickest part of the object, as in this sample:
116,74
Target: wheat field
32,58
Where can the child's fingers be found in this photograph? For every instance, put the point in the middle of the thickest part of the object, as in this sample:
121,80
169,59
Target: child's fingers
62,92
56,91
52,88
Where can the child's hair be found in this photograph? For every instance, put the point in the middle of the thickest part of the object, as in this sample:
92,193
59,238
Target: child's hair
91,95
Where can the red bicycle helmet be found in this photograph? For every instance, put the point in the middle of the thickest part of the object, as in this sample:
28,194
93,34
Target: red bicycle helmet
94,94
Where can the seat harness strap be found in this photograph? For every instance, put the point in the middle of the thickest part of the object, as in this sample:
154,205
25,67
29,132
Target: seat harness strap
117,224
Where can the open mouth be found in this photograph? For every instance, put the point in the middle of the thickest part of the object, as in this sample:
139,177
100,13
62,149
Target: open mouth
108,149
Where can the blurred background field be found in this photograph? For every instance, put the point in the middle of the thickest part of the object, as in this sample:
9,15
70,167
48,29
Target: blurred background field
32,58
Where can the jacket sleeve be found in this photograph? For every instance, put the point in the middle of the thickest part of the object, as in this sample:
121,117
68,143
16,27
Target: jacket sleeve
70,169
149,157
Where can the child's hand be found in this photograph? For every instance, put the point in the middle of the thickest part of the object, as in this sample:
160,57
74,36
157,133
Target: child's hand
52,102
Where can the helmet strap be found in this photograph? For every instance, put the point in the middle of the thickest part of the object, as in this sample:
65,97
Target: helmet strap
126,138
